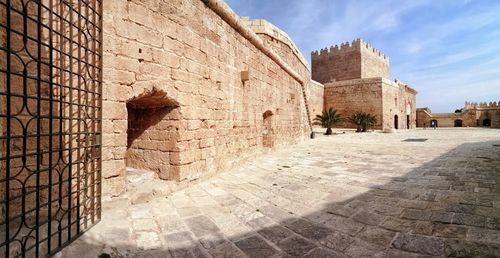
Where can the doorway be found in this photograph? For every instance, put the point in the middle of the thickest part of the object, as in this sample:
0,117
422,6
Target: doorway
487,122
407,121
434,123
396,123
458,123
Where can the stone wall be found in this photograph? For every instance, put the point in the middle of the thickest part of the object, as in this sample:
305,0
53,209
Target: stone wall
195,58
349,61
351,96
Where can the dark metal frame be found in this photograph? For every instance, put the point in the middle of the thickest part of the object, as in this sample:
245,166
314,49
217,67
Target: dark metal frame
50,123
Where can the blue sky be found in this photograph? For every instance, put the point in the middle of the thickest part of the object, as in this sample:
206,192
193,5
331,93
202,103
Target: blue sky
448,50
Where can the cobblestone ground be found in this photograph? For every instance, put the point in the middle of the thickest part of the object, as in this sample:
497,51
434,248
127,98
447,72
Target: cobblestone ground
348,195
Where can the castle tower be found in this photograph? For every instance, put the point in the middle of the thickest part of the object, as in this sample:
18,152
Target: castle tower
349,61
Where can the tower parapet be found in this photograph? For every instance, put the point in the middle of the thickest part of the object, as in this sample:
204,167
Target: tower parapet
354,60
344,47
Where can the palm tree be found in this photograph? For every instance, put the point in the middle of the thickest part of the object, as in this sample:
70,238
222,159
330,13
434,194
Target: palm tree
328,119
363,120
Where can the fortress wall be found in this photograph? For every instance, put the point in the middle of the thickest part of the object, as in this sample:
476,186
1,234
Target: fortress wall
190,68
351,96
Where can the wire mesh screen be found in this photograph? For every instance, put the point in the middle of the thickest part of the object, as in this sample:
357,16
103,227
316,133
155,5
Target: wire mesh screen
50,123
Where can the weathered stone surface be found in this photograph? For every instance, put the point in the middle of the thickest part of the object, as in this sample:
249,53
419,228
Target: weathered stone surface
296,246
461,248
309,230
255,246
416,214
337,241
201,225
361,248
323,252
419,244
470,220
450,231
376,235
368,218
275,233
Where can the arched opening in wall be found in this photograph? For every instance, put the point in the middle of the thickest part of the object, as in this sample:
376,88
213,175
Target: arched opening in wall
152,133
487,122
407,121
396,123
268,133
458,123
434,123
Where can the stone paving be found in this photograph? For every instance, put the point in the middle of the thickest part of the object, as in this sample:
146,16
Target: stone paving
347,195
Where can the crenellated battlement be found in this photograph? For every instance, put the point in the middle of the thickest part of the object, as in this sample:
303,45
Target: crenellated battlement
354,60
355,45
475,105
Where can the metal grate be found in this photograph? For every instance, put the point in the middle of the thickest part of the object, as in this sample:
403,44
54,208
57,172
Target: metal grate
415,140
50,123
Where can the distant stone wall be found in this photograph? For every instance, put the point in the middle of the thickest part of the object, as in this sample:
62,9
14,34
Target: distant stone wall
188,53
472,115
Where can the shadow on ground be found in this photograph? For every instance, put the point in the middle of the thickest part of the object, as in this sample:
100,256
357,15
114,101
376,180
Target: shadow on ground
449,206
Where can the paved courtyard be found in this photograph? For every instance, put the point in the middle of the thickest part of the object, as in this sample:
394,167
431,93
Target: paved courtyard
347,195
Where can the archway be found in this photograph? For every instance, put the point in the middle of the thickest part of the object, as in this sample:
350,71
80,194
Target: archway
458,123
396,123
152,132
434,123
407,121
268,133
487,122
